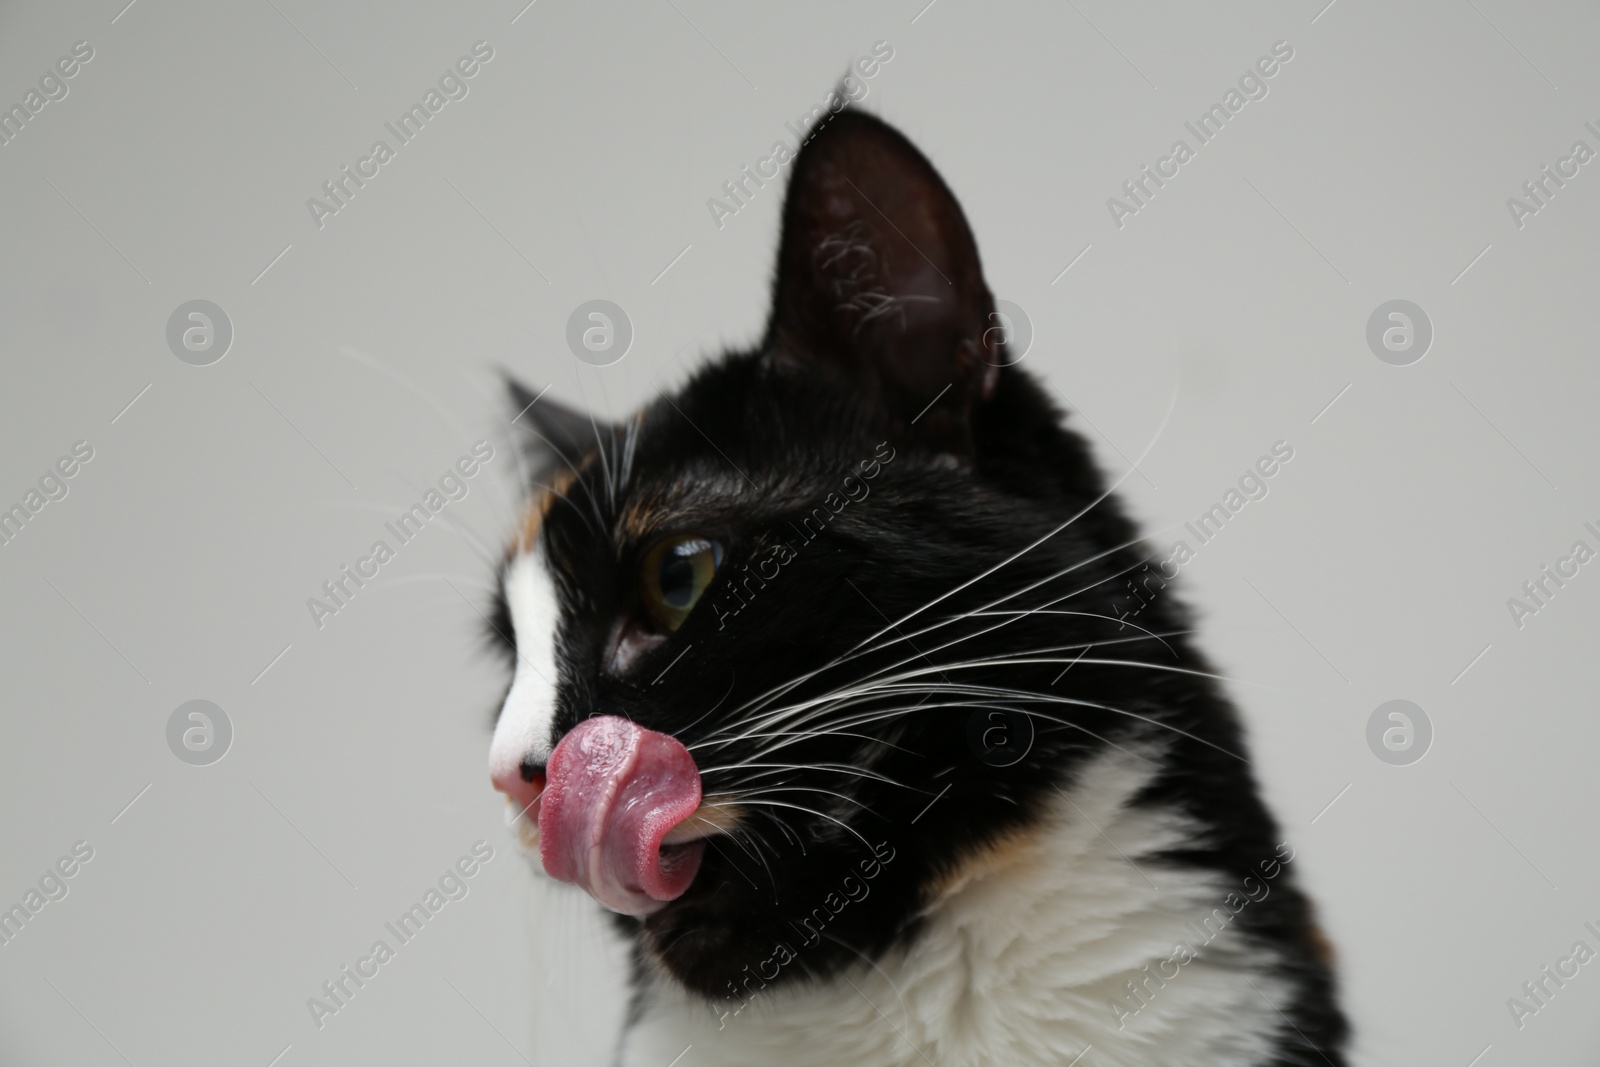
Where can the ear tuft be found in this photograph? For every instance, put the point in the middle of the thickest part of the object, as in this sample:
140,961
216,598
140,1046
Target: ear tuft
879,280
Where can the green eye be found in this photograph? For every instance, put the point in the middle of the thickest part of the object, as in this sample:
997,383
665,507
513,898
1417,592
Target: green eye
675,574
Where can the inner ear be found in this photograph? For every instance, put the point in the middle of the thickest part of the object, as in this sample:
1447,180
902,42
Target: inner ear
879,280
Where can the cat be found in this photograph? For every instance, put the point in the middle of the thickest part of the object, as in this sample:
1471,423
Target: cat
824,683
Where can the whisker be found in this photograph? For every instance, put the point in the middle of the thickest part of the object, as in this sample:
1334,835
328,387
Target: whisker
600,444
756,794
753,855
577,479
857,650
898,685
774,717
1171,406
1086,614
1027,589
723,743
812,811
787,832
965,703
781,714
778,768
731,683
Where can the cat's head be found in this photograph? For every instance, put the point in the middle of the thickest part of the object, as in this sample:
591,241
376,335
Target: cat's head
788,644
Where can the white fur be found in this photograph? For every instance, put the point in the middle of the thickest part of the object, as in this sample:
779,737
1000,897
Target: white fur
524,726
1018,965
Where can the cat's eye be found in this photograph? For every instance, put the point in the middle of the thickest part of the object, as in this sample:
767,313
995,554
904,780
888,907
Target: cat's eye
676,572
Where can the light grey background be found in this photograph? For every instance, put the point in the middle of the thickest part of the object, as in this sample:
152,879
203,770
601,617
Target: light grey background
578,167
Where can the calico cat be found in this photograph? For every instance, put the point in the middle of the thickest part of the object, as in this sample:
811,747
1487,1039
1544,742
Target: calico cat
824,683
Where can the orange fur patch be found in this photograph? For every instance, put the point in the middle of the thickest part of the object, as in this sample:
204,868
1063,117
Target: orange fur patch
640,518
1004,856
1321,947
709,819
538,508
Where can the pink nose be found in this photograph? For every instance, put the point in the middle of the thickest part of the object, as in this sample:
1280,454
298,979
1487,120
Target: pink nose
523,792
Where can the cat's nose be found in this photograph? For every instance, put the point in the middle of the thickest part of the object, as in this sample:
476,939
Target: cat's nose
524,784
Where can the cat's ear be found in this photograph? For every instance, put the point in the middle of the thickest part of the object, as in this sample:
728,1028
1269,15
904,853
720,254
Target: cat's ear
550,433
878,279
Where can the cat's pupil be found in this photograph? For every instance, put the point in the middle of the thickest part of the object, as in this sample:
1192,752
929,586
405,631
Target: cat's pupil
674,575
685,571
678,579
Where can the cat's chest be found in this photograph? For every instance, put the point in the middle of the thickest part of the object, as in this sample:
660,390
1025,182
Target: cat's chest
1024,958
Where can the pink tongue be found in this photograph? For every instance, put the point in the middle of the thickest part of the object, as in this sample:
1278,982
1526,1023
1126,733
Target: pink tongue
613,791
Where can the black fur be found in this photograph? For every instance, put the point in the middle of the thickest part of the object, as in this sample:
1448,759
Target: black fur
758,441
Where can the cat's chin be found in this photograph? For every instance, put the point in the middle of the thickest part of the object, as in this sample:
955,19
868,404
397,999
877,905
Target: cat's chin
701,946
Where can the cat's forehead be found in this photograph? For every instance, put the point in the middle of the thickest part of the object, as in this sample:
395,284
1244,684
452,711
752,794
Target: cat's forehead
656,502
735,446
632,504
